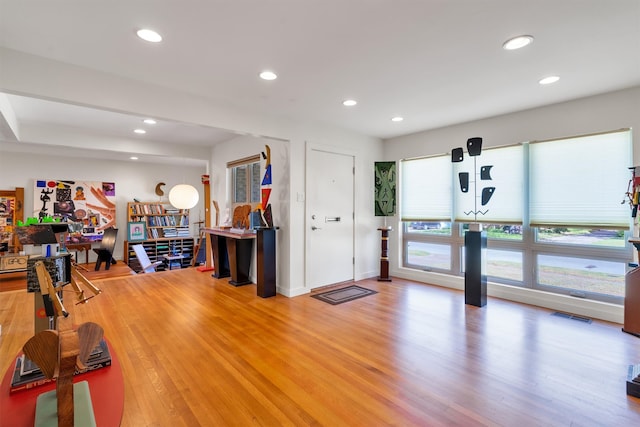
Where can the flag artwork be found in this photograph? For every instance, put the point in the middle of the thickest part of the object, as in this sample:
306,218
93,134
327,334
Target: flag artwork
266,189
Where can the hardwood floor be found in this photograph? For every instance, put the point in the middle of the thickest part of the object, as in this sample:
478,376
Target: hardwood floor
18,280
196,351
13,281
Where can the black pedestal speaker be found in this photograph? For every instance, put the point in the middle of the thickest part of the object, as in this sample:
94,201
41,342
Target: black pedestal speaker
475,276
266,262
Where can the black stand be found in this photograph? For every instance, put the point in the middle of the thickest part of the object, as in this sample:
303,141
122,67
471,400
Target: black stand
632,298
104,256
633,381
239,252
105,251
220,257
475,277
266,262
384,257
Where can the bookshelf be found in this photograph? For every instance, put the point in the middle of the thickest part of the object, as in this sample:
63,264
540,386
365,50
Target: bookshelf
158,248
162,219
167,233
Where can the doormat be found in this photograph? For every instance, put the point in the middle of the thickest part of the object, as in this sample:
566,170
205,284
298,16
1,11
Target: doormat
338,296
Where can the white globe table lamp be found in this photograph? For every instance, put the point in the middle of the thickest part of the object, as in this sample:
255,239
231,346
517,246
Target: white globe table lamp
183,196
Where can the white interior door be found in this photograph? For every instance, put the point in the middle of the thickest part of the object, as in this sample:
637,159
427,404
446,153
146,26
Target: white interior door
329,222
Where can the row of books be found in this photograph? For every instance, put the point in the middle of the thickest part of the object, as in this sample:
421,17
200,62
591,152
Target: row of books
159,233
27,375
167,221
161,221
176,232
146,209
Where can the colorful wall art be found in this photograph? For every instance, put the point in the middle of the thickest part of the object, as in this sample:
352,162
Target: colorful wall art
7,222
385,188
92,203
266,188
474,149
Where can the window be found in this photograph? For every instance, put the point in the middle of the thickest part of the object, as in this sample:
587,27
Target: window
495,177
500,231
581,276
425,192
435,228
245,180
596,237
559,226
428,256
503,266
578,181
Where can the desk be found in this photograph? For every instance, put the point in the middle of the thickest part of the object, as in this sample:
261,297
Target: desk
106,386
80,247
231,255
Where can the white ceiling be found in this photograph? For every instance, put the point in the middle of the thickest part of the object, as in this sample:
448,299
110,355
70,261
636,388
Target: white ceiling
434,62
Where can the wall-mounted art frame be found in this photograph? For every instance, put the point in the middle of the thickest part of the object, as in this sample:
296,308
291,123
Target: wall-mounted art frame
385,188
136,231
92,203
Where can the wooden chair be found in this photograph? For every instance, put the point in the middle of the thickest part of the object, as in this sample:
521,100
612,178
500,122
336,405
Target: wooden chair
105,251
145,262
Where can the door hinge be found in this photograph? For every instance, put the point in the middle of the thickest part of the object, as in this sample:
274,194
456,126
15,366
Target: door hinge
354,170
353,260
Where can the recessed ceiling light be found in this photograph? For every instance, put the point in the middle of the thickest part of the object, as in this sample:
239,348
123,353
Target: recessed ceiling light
517,42
149,121
268,75
140,131
349,102
549,80
397,119
133,158
149,35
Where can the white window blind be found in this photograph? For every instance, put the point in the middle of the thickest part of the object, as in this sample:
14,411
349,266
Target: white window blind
425,191
503,177
580,181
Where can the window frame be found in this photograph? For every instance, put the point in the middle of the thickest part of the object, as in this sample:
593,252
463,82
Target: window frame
528,246
248,163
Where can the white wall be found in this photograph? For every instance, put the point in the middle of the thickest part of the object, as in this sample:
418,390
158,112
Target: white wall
288,199
29,75
35,76
245,146
132,179
601,113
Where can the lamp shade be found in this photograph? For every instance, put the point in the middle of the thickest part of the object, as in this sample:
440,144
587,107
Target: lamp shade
183,196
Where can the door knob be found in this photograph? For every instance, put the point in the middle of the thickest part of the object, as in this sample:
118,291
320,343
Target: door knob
313,227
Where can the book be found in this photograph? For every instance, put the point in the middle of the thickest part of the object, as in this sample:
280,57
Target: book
99,358
29,367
